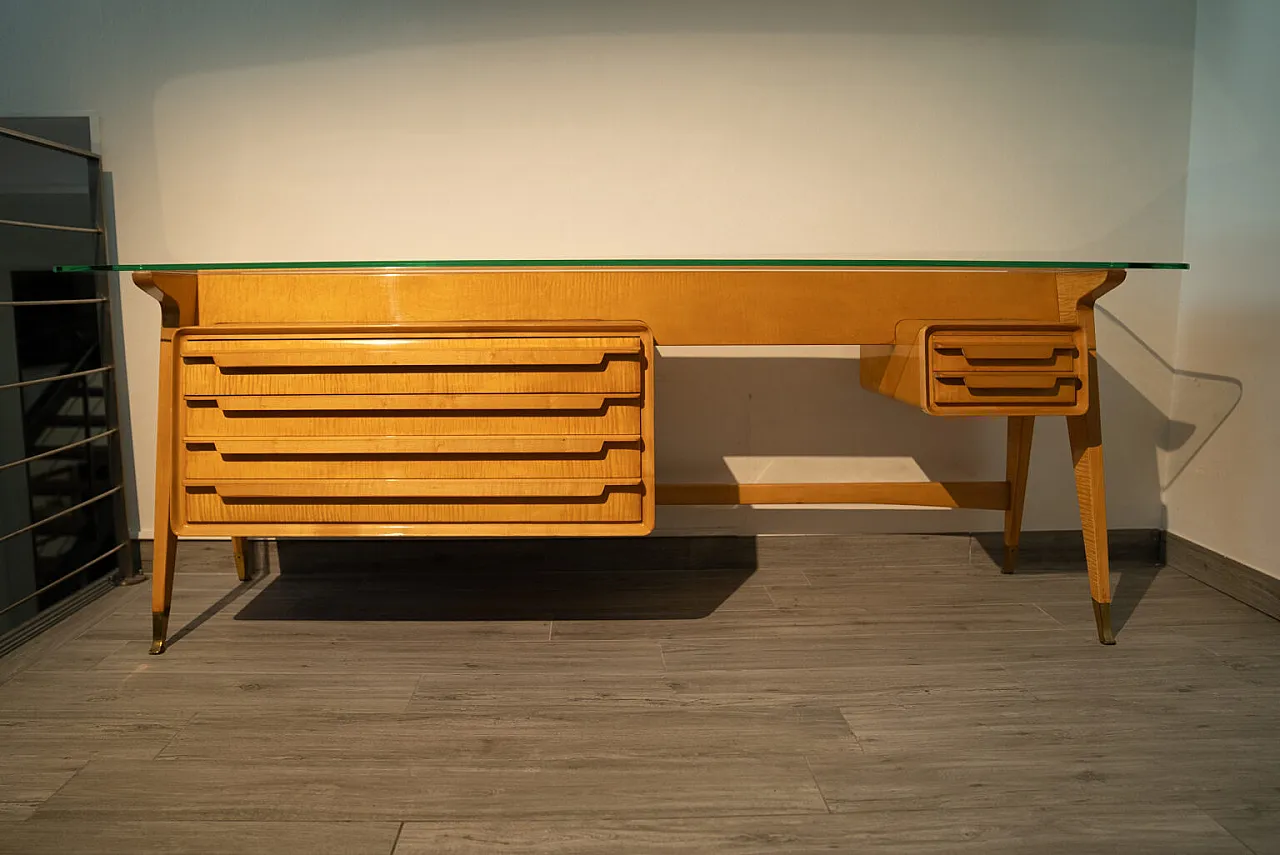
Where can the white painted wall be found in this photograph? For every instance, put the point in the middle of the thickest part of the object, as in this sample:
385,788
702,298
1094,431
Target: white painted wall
967,128
1225,486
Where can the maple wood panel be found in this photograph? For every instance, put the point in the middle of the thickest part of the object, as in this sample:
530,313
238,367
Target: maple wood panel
1010,390
208,461
617,505
205,419
991,495
694,306
201,376
532,402
1008,351
423,350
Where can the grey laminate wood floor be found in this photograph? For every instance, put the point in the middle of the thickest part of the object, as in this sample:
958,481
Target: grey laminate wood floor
893,696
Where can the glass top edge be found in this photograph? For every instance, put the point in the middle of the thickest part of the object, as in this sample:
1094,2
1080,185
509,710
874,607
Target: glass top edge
638,263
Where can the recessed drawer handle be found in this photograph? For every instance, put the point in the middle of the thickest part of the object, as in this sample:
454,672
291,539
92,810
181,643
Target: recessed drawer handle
1040,353
426,445
410,403
416,489
1012,381
368,358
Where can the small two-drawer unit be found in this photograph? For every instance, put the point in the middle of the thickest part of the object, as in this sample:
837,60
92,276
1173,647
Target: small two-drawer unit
1003,371
992,370
509,428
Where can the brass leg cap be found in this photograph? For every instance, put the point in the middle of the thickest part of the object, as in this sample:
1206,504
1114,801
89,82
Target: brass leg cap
159,629
1010,559
1102,617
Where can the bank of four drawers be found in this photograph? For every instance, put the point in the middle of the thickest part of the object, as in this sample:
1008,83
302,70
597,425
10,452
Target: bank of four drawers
516,428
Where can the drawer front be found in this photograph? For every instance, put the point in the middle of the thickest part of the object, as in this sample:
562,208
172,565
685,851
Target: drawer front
207,504
1011,389
996,371
407,457
247,366
1053,352
231,416
419,351
613,377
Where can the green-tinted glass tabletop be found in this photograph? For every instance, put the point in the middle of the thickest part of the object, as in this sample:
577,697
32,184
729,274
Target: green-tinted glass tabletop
917,263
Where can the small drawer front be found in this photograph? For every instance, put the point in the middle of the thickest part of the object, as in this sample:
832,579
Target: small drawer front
1009,389
301,416
409,457
1051,352
224,504
252,366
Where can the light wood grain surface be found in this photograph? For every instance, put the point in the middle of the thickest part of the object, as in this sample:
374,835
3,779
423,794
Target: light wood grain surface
885,693
695,306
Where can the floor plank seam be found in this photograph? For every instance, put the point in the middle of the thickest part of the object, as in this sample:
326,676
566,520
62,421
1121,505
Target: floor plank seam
853,733
121,593
223,602
128,593
607,816
36,807
396,842
177,731
1046,614
818,786
1233,835
768,592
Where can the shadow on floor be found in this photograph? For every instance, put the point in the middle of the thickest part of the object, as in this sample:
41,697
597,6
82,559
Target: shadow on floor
1131,558
503,580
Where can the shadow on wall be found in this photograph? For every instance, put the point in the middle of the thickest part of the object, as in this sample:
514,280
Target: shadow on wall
1212,397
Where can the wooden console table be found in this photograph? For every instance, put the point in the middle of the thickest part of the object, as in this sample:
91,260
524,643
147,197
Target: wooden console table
516,398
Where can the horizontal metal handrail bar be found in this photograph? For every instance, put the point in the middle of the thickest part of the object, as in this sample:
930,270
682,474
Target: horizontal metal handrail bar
50,144
53,302
83,567
50,227
54,378
61,513
53,451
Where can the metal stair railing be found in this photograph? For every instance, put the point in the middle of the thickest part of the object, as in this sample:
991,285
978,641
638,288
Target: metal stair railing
121,549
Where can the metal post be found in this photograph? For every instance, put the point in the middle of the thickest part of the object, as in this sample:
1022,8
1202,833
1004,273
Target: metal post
126,559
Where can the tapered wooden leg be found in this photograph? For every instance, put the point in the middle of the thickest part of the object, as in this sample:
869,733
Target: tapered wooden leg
1018,461
1085,433
163,561
243,550
165,546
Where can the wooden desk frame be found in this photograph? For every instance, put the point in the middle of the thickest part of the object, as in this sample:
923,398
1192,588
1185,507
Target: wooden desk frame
1026,347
